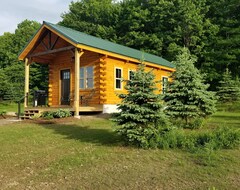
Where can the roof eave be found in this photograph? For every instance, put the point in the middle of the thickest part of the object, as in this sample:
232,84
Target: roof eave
24,52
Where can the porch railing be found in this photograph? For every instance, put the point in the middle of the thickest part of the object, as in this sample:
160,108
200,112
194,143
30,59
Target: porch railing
19,104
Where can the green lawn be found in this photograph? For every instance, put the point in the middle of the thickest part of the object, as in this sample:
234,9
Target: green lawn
86,154
9,106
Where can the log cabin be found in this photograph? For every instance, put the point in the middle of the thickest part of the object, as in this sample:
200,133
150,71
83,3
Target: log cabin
86,72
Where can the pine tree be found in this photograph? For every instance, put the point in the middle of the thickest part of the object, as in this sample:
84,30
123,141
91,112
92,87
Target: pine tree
187,97
229,89
140,110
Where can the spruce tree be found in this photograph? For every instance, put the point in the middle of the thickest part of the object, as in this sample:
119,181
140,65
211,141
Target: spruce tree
229,89
140,113
187,97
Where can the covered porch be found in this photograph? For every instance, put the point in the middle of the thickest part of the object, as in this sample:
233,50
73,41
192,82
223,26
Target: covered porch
73,76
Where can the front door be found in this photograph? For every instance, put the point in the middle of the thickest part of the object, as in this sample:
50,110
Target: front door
65,87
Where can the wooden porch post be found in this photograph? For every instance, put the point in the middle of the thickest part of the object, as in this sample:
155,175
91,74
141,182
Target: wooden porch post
26,92
78,54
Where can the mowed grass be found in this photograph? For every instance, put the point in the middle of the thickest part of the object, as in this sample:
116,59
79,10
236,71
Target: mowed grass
86,154
9,106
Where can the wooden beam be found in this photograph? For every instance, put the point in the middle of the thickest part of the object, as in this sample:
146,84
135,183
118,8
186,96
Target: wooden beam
51,51
26,91
41,60
76,89
78,55
44,45
49,40
39,41
55,42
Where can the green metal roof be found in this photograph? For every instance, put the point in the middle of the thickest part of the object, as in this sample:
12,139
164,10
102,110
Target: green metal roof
88,40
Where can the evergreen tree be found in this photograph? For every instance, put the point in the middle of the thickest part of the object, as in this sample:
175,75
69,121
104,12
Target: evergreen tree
229,89
140,110
187,97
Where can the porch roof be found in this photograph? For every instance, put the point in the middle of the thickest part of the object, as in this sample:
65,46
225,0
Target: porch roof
79,38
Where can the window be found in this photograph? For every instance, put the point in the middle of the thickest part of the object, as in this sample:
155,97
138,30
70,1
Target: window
130,74
89,77
81,77
164,84
86,77
118,78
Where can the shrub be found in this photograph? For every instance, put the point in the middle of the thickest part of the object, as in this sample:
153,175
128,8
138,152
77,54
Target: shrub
226,137
56,114
48,114
170,139
3,112
192,124
36,116
220,138
61,113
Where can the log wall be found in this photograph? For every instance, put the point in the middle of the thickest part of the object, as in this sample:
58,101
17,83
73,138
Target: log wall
104,77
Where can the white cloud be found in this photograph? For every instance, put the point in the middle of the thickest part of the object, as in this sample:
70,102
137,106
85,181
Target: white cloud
13,12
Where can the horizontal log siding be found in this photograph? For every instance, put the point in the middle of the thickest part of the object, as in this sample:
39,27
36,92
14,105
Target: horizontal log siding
104,79
65,60
111,63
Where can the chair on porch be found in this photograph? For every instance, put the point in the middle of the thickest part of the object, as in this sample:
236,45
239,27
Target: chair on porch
86,98
83,98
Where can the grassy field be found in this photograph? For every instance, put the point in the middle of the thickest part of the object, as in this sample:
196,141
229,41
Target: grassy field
10,106
86,154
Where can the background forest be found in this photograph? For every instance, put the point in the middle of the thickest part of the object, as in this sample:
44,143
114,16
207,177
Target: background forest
209,29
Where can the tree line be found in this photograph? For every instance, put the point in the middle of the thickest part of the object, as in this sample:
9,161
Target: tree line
209,29
11,70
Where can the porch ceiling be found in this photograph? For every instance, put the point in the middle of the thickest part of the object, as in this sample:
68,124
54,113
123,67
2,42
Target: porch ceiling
44,47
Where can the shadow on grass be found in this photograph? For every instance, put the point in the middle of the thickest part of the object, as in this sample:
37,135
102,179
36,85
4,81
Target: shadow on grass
86,134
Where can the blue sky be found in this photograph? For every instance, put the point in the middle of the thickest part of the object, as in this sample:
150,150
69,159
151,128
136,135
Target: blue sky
12,12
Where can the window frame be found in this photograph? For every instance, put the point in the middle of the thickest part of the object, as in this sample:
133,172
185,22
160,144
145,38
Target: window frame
130,70
115,78
80,78
164,87
85,78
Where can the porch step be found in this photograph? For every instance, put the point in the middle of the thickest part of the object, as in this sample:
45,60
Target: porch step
31,111
28,114
25,117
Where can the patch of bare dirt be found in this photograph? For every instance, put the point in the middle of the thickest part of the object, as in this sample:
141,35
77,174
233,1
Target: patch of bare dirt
7,120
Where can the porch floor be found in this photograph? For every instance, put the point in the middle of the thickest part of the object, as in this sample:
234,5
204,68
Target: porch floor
90,108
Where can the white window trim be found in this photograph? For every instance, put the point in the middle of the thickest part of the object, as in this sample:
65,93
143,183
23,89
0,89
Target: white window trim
116,78
162,82
85,77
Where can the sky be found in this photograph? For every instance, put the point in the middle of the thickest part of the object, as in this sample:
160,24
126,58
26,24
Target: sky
13,12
